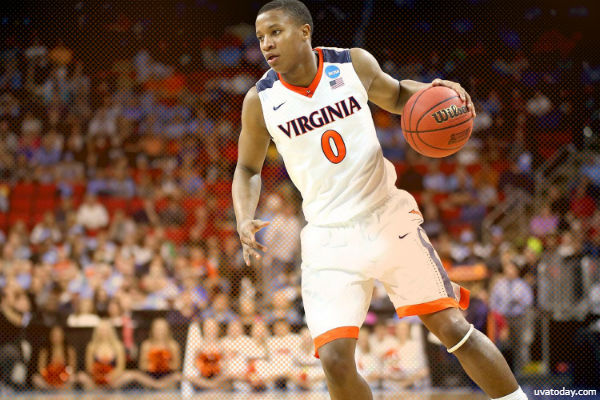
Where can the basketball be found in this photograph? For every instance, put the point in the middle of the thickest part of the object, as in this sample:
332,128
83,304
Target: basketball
436,122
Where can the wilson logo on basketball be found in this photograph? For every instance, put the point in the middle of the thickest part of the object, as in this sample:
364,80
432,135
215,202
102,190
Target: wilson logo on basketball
450,112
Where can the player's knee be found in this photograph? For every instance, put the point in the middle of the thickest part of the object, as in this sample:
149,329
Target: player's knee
453,331
337,364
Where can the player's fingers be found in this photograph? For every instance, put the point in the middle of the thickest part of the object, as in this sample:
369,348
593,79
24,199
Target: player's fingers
452,85
257,224
461,92
252,243
470,105
259,246
249,253
246,256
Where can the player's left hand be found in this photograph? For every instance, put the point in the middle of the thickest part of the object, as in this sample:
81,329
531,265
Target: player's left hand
464,96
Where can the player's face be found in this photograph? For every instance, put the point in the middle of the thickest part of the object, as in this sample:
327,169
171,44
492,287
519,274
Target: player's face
281,38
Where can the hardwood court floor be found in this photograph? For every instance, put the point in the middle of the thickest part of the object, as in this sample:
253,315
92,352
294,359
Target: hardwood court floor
437,395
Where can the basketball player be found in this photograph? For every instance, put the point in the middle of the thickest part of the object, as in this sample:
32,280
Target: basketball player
313,104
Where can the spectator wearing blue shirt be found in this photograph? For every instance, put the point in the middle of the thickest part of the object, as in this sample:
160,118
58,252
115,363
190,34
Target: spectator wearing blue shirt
513,298
219,310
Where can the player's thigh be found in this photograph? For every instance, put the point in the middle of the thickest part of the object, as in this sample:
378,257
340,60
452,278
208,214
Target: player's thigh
414,276
335,302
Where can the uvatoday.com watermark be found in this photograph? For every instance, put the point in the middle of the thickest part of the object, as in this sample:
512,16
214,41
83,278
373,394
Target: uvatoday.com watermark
574,393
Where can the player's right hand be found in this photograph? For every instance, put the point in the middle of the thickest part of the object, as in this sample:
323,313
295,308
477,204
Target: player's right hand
246,230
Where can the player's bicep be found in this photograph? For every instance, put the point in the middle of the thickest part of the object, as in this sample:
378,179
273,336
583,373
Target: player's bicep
254,138
382,89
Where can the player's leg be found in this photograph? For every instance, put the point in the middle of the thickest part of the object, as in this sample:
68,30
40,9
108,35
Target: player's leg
479,357
418,285
336,303
343,379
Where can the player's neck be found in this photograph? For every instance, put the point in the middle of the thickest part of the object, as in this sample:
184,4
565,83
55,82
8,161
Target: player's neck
304,72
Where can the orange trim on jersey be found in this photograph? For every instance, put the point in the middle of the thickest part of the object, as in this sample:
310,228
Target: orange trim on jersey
310,90
337,333
416,212
435,305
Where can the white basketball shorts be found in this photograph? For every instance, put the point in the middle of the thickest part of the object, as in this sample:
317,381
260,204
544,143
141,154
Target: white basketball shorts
340,264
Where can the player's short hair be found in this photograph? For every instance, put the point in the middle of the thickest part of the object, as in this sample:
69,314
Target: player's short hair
295,8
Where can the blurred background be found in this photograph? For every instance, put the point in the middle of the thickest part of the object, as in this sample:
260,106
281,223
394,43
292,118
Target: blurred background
120,264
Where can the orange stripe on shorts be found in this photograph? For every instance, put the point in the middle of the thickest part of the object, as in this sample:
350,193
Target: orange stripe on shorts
337,333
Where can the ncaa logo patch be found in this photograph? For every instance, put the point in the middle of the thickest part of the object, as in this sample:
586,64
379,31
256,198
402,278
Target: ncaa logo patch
332,71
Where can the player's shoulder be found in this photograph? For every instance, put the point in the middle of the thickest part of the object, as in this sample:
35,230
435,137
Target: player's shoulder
252,114
251,100
361,57
335,55
266,81
364,63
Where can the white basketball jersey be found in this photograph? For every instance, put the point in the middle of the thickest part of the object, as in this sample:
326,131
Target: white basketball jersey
326,137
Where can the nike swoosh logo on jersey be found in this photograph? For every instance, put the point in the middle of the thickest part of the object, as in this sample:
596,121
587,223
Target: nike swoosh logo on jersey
402,236
275,108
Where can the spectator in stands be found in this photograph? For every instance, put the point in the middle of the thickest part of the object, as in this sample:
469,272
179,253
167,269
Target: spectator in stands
11,79
60,55
582,205
512,297
282,348
308,373
389,134
515,181
121,227
92,215
539,105
531,261
258,365
367,363
410,180
121,184
544,223
49,153
159,287
433,224
219,310
103,123
185,310
237,348
247,311
104,358
173,214
15,315
282,310
592,243
382,342
159,360
57,363
435,180
282,238
85,315
203,361
406,365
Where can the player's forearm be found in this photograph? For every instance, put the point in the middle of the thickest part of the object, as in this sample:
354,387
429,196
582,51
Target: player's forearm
407,89
246,193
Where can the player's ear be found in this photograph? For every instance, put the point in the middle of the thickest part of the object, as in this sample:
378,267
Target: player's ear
306,32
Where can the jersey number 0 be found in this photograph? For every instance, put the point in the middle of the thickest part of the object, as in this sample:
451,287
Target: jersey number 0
339,144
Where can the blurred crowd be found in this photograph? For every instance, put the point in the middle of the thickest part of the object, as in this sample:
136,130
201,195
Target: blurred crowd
120,264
